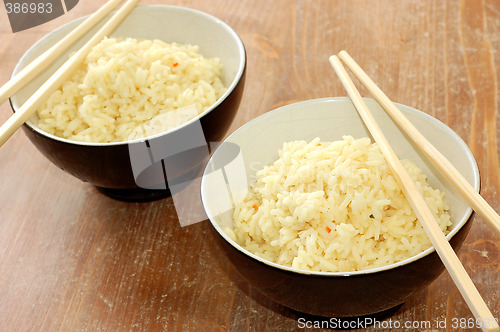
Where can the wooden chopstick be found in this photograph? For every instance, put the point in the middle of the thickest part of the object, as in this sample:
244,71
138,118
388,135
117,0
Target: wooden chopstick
442,164
41,95
45,59
424,215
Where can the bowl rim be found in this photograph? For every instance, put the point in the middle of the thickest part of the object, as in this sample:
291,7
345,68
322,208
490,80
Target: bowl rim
286,108
229,90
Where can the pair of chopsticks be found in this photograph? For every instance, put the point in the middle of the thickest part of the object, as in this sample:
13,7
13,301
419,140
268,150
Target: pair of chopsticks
43,61
442,246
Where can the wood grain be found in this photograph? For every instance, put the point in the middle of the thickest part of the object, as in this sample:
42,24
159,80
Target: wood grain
73,259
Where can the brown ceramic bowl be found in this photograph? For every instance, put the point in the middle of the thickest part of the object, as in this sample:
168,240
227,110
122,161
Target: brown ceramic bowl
136,169
348,294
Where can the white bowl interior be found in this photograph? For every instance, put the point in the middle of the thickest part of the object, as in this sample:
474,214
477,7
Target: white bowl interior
330,119
168,23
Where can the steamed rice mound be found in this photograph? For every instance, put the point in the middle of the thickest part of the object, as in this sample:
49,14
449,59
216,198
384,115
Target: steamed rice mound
130,88
333,207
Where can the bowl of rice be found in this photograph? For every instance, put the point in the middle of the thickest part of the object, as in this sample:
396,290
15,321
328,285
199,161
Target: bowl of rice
303,204
137,116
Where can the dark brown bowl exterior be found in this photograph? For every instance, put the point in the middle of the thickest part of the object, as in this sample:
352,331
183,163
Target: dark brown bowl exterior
340,296
109,166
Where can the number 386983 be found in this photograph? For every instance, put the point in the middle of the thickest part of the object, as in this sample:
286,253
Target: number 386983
28,8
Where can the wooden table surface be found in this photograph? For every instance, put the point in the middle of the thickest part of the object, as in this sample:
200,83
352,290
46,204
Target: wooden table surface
72,259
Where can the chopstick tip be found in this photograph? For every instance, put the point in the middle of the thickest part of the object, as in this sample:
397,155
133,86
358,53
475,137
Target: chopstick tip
336,64
333,58
344,56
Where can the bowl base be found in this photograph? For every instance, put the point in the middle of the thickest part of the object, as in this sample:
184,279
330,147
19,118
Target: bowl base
135,195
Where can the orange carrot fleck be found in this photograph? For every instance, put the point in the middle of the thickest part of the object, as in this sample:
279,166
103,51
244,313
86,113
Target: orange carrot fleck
255,206
319,144
175,64
328,229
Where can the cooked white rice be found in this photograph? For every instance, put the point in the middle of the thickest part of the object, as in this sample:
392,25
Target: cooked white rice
333,207
129,88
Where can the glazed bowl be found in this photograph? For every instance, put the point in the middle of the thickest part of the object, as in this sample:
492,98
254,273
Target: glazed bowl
332,294
147,168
